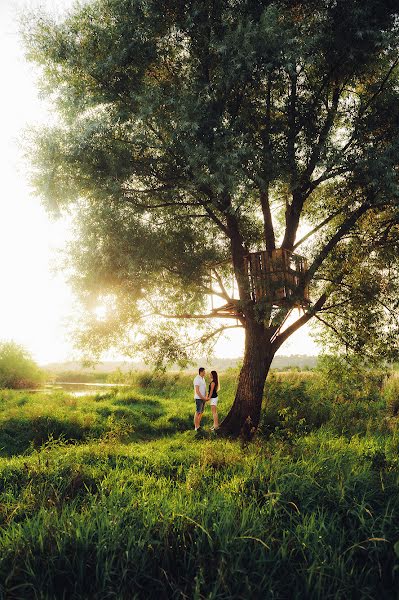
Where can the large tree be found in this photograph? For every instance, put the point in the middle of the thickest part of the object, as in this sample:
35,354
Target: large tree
194,132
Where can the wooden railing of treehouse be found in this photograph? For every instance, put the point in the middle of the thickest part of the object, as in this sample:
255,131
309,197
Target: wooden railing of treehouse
276,276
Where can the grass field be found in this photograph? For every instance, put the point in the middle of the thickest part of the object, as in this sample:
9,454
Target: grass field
114,496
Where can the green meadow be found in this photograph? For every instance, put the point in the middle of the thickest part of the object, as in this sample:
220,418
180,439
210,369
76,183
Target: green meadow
114,496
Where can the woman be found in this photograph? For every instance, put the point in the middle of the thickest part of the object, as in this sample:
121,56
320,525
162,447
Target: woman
213,397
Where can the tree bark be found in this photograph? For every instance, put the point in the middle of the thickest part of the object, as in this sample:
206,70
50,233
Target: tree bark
267,221
244,415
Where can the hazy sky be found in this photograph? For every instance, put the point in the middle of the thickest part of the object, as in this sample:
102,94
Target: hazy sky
35,304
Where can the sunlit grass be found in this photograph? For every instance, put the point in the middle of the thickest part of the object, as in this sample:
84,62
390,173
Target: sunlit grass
125,501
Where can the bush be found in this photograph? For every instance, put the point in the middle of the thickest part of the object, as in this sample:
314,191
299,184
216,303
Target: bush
349,379
390,392
81,377
291,406
17,368
343,394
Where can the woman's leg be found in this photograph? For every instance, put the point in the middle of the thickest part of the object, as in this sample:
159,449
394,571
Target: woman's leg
215,416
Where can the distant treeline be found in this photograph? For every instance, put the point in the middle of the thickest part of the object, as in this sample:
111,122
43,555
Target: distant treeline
133,376
67,370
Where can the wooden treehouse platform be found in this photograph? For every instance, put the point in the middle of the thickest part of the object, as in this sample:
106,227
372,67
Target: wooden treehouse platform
275,277
229,309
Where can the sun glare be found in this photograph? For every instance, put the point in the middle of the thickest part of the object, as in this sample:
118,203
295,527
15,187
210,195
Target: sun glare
101,312
36,306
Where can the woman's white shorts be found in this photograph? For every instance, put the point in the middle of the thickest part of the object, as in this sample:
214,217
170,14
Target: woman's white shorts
214,401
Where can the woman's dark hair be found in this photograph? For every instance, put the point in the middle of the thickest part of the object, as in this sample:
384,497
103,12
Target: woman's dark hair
215,379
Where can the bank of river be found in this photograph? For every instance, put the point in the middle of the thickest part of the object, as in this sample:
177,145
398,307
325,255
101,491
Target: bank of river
79,389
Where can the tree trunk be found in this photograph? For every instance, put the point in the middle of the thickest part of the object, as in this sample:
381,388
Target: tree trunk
243,417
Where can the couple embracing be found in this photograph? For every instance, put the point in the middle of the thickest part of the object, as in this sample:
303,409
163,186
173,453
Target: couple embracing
201,397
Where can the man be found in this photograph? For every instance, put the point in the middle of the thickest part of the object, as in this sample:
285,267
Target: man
199,397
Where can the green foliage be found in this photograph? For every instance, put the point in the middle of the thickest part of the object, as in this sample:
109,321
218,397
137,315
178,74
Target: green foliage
349,378
364,306
176,118
391,394
17,368
342,394
291,406
128,511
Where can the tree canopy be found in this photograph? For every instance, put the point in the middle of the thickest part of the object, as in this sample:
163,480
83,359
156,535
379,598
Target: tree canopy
193,132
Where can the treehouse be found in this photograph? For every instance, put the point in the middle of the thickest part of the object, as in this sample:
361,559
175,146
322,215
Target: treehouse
276,277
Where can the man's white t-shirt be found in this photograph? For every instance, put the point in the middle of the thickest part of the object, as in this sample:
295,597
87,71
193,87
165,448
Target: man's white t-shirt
200,381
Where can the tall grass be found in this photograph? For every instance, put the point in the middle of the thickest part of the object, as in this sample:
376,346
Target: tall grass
123,500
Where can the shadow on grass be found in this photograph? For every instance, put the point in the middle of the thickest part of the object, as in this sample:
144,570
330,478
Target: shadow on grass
142,415
17,435
138,402
146,418
181,423
125,420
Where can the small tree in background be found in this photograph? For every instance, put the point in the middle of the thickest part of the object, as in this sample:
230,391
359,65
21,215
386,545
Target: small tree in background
17,368
196,133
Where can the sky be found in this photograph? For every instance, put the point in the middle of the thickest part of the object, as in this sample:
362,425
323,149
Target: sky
36,304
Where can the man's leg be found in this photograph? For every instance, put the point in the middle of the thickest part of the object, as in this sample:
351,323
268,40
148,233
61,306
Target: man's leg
199,420
198,413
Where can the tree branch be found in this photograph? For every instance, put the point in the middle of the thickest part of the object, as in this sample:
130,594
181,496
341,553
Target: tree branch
292,132
325,177
345,227
212,292
238,252
179,217
212,315
284,335
270,240
224,294
216,220
332,306
368,103
204,204
206,337
325,130
337,333
148,190
300,189
267,220
162,204
320,225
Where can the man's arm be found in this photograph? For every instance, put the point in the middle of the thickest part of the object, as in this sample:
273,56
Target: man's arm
199,393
